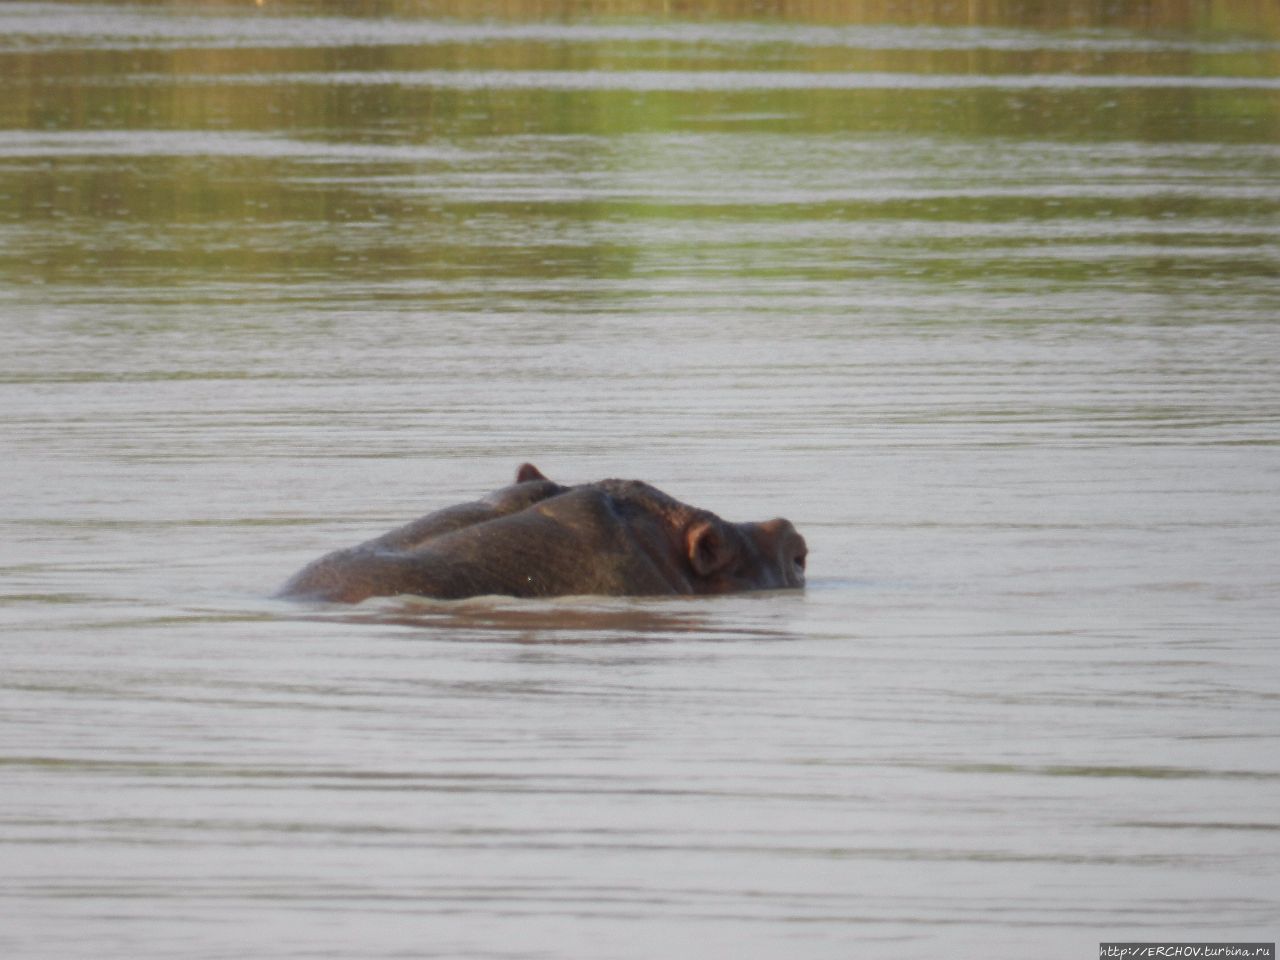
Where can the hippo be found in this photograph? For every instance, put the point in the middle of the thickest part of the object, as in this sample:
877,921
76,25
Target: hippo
537,538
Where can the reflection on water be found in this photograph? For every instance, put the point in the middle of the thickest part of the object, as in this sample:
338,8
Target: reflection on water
576,620
981,295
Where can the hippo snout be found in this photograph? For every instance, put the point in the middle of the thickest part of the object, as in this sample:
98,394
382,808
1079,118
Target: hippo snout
783,551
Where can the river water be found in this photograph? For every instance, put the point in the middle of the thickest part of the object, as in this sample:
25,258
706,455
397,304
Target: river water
987,306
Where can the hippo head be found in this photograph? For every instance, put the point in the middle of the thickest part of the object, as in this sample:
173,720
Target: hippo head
538,538
728,557
700,552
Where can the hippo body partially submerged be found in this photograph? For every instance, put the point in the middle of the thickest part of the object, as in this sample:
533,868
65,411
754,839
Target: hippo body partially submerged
537,538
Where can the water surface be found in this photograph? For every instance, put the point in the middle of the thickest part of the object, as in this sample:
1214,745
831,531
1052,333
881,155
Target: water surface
986,307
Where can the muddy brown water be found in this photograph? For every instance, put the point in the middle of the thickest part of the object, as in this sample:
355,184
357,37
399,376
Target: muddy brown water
988,309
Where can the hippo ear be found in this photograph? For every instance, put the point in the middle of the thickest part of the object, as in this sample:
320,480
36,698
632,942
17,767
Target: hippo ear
528,472
709,553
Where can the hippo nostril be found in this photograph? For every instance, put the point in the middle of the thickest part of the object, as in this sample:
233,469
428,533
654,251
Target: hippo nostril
800,562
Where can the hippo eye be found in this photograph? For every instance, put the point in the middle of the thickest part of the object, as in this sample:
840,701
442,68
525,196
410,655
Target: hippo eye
800,561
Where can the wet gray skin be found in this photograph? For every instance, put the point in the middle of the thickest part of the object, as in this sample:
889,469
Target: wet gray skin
537,538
